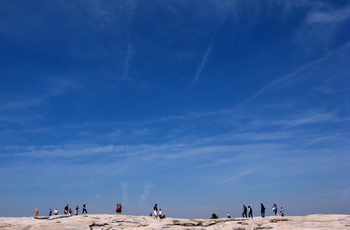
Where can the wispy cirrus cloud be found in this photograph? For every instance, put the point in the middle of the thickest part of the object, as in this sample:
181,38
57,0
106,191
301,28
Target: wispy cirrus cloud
234,178
306,119
146,191
16,101
129,55
15,107
53,87
329,16
301,74
321,26
205,58
130,9
125,193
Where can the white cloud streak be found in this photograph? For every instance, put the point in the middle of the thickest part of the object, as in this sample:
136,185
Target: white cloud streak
307,119
300,74
128,58
146,191
321,27
203,63
125,193
130,8
53,87
335,16
16,102
234,178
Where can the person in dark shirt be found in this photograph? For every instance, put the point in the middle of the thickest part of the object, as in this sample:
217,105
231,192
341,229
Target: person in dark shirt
250,212
262,210
244,213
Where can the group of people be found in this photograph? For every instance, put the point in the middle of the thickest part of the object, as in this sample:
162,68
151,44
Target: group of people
249,210
118,208
157,213
275,210
68,211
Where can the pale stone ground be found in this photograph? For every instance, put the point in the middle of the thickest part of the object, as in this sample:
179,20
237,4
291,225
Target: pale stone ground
99,222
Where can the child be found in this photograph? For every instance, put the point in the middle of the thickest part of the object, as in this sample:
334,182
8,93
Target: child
282,211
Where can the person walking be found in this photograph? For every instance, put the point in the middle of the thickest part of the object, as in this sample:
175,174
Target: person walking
244,213
274,209
84,208
155,211
262,210
250,212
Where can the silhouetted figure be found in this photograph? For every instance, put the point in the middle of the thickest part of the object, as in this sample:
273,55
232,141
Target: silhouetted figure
244,213
262,210
250,212
84,208
66,209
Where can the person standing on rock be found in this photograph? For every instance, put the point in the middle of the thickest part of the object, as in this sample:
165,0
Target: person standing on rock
66,209
274,209
244,213
250,212
118,208
84,208
76,210
155,211
262,210
229,215
50,212
36,212
55,212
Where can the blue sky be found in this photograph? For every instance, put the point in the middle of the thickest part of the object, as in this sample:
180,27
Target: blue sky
199,106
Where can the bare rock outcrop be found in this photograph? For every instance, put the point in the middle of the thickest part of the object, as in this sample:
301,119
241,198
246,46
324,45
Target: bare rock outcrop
99,222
